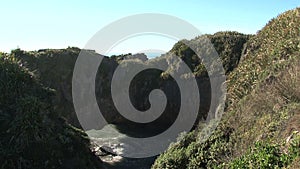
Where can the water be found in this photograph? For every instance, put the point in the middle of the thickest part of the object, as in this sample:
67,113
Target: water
150,55
110,137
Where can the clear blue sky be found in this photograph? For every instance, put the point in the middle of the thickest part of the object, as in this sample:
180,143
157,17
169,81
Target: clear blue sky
32,24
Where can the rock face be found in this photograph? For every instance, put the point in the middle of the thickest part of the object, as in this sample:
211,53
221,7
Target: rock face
107,150
54,68
140,56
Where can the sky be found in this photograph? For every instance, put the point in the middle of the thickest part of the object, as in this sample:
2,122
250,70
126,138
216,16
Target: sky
33,25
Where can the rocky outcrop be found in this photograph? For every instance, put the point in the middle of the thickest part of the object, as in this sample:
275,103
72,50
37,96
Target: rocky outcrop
54,69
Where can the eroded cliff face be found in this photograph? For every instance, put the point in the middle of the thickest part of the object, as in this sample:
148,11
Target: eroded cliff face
54,68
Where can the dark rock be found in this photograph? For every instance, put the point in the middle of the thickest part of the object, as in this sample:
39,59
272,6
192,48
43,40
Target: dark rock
108,150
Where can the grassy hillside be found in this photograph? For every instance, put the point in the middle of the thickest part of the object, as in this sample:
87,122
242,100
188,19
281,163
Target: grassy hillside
262,123
229,46
259,129
32,134
54,69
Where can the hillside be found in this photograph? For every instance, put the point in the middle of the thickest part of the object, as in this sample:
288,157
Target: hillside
50,70
32,134
54,68
260,128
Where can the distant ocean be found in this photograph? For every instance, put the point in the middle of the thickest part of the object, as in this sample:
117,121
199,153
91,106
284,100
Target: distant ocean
153,55
150,55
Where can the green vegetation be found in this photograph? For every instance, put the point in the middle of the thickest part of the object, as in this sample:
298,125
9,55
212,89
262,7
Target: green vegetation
260,128
54,69
229,46
32,135
265,155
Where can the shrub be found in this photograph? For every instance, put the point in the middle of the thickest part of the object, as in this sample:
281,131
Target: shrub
32,135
